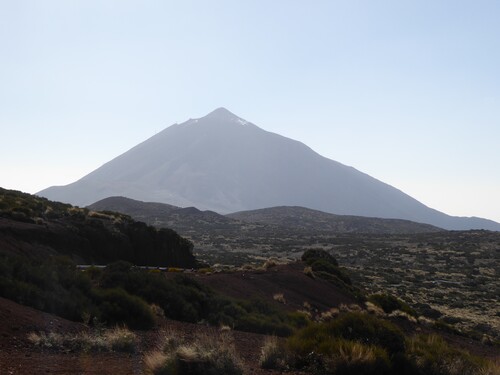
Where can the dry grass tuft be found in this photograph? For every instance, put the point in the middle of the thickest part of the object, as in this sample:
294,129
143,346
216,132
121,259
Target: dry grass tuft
118,339
155,362
269,263
425,321
491,368
225,328
350,353
350,308
329,314
273,355
212,353
374,309
403,315
280,297
308,271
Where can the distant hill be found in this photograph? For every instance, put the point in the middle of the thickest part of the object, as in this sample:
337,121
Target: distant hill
223,163
306,219
191,221
37,227
186,221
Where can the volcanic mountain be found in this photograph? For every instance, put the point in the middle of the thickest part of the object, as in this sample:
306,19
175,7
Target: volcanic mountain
223,163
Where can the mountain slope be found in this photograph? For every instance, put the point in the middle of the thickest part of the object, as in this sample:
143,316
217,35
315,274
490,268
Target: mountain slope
223,163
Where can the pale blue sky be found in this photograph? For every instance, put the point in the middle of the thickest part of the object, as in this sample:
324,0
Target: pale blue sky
406,91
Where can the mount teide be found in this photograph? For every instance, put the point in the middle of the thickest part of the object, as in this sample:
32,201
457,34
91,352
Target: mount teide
223,163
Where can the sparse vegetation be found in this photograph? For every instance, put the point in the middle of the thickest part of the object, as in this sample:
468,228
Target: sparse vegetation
439,275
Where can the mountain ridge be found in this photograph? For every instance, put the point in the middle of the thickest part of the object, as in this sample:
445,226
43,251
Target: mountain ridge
190,220
222,164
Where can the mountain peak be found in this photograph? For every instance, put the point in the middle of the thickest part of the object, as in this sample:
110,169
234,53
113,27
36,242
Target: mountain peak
222,114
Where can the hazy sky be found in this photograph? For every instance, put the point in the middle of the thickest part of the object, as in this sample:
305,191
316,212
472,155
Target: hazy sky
406,91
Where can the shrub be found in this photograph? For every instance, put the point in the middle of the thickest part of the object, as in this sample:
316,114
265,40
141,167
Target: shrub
351,326
311,255
390,303
335,355
116,306
431,355
322,266
52,285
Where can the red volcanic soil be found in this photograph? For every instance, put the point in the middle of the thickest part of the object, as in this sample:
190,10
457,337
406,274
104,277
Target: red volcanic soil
18,356
288,279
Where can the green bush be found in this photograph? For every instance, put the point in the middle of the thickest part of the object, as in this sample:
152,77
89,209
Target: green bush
328,354
117,306
53,285
312,255
351,326
431,355
390,303
322,266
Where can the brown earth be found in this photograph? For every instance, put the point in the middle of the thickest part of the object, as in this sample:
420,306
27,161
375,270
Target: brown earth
288,279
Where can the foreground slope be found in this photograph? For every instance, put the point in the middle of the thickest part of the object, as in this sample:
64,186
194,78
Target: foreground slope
223,163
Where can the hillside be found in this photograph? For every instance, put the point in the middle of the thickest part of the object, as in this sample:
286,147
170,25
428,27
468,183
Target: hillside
37,227
300,218
193,222
225,164
186,221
